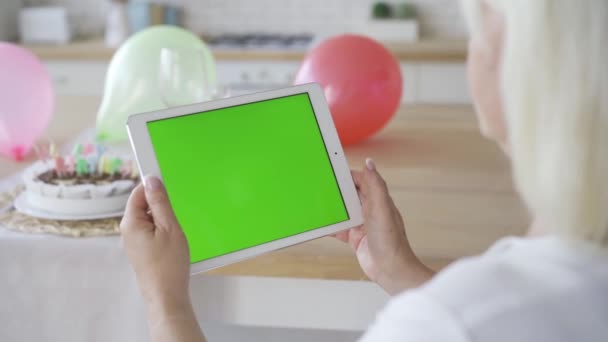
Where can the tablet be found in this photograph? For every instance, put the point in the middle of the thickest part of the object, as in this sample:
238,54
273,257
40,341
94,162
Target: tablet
250,174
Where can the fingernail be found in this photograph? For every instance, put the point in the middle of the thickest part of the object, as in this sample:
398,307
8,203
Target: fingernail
370,165
152,183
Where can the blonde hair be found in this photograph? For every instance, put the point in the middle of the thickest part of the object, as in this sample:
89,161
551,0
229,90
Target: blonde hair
555,94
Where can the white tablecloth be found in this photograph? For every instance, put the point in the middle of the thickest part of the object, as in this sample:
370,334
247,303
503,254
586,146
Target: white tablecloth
82,289
67,289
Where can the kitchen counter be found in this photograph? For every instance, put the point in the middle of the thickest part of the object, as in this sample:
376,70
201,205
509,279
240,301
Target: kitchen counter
425,50
452,186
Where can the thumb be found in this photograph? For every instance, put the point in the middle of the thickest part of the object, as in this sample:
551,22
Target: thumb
375,183
377,191
159,204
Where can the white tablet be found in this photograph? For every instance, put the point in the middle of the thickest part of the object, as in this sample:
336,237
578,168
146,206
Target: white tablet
250,174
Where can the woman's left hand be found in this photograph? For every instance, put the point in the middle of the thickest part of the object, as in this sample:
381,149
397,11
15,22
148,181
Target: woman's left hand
156,247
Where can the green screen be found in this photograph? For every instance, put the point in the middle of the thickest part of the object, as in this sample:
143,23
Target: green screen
245,175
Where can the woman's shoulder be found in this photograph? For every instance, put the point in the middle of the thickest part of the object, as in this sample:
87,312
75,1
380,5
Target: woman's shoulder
520,289
518,281
543,289
516,270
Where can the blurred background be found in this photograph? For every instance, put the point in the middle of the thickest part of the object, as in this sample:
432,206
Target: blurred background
441,171
437,18
258,44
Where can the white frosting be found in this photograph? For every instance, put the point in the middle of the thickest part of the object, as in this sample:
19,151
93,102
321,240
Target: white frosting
80,199
80,191
32,185
122,187
91,206
51,190
101,191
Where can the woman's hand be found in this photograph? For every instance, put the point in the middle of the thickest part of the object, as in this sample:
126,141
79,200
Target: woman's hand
158,251
381,244
156,246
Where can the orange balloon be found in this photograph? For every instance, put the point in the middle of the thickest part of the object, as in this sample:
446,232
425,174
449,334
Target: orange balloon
361,80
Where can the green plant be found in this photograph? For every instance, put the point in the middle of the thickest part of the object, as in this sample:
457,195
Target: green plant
382,10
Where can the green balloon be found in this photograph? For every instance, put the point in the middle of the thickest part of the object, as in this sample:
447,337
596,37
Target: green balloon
133,78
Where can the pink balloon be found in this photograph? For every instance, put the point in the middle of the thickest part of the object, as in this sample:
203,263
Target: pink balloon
26,100
361,80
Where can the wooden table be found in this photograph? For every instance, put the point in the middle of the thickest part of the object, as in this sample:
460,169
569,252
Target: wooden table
452,186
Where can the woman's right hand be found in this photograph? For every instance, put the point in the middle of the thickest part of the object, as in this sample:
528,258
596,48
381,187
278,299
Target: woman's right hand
381,245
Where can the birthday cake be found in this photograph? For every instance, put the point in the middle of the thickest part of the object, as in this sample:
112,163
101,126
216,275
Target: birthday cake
88,182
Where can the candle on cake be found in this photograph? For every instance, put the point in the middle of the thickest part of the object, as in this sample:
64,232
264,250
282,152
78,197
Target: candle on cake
53,150
115,165
89,160
69,164
82,167
89,149
98,180
101,164
60,168
77,151
134,170
125,169
92,162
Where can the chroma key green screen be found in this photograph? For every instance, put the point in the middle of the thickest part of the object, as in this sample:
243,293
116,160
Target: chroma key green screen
242,176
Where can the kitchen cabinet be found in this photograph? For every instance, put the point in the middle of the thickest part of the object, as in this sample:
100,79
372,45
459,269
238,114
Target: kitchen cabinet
77,77
434,83
87,77
242,77
441,83
424,82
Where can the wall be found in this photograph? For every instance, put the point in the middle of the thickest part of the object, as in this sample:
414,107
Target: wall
438,18
8,19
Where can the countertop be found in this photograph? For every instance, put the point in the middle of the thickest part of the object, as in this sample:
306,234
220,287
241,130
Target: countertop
452,186
424,50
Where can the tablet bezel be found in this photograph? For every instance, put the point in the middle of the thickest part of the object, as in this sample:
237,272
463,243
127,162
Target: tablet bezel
148,165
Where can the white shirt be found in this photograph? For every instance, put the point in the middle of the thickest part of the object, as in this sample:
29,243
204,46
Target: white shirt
543,289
